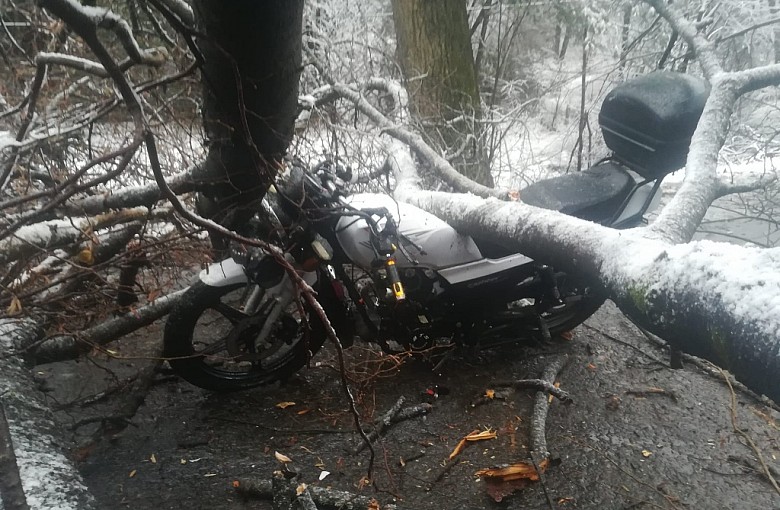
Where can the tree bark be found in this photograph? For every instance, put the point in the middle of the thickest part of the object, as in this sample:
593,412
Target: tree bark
689,294
49,478
775,32
11,491
434,49
250,73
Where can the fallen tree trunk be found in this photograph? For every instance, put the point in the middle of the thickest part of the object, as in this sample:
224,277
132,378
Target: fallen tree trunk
65,347
49,479
713,300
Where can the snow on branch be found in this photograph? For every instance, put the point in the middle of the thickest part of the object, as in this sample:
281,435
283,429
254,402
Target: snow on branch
134,196
747,181
179,8
95,68
438,164
40,236
678,221
88,17
704,49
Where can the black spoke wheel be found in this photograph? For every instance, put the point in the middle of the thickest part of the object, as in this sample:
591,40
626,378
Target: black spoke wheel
212,342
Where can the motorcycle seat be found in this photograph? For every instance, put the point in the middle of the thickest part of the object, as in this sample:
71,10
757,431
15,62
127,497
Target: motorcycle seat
593,194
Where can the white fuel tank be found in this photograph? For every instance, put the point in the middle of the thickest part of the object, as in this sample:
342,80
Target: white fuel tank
443,247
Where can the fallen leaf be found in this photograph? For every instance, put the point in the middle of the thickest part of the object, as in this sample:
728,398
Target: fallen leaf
15,307
209,475
459,447
132,473
481,436
521,470
373,505
303,411
646,453
183,461
563,501
490,394
300,489
567,335
323,474
86,256
236,484
591,367
473,436
284,459
153,459
285,405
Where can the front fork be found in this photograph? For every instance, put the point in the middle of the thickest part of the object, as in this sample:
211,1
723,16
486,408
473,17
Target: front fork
230,272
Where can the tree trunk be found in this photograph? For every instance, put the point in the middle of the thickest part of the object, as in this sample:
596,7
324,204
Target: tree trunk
775,31
625,31
689,294
251,67
434,49
49,478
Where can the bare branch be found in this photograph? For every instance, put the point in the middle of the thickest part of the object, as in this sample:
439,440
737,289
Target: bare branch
30,239
67,347
703,48
745,183
179,8
438,164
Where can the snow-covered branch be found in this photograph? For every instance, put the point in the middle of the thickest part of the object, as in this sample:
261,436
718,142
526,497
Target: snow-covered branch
690,294
704,49
438,165
157,57
88,18
134,196
678,221
179,8
41,236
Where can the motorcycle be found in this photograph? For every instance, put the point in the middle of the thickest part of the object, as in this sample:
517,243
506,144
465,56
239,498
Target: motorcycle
393,274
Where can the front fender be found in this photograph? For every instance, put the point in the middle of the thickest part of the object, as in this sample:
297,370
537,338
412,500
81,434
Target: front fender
223,273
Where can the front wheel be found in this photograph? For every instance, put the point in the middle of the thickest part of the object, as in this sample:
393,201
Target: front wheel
211,340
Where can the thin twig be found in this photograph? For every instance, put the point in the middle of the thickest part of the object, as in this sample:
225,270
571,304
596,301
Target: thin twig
383,423
540,474
539,385
710,369
328,497
745,435
541,406
442,472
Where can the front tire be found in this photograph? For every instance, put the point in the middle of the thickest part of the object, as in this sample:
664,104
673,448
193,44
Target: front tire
199,327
